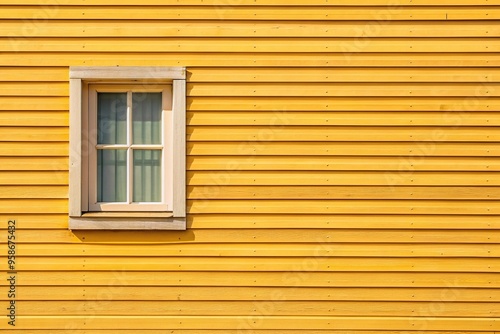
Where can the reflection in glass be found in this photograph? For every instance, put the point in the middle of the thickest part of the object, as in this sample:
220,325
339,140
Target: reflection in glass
112,118
146,116
111,175
147,176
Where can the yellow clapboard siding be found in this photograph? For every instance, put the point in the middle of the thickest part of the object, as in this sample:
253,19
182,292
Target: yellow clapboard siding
368,163
328,13
34,89
246,308
265,322
34,149
324,103
463,90
34,163
32,103
34,134
266,250
279,118
263,279
278,59
34,118
256,264
413,150
123,292
412,222
327,74
279,221
342,192
33,192
231,331
301,206
256,45
165,28
34,205
31,74
264,3
353,112
348,134
285,234
329,178
48,177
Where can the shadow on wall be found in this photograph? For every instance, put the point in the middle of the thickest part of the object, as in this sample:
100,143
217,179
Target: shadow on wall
135,237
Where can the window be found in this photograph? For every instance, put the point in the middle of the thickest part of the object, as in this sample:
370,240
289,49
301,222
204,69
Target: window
127,148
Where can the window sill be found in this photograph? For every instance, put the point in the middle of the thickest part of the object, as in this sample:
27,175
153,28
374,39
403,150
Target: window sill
126,221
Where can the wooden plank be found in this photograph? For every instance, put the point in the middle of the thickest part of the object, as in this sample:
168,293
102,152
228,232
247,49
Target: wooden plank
265,322
324,103
36,149
77,174
279,118
341,134
126,73
417,151
230,331
33,103
276,221
371,163
280,59
44,205
29,178
203,28
35,134
34,118
347,178
463,90
326,74
301,206
33,88
342,192
263,279
382,222
32,192
33,163
31,74
265,3
39,221
179,151
121,292
246,308
258,235
256,264
254,45
329,13
265,250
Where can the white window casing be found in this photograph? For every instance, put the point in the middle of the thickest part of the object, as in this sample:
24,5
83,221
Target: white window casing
84,212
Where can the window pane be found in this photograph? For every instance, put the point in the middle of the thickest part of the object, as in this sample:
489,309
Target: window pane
112,118
111,175
146,115
147,176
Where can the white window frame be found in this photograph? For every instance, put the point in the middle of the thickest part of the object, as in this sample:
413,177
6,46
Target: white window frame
83,214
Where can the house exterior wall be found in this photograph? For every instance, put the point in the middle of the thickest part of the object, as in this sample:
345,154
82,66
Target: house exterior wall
342,168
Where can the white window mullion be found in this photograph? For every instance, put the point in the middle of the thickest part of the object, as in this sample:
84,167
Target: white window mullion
129,149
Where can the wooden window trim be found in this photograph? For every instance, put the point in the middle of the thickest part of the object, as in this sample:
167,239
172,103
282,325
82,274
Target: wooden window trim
80,78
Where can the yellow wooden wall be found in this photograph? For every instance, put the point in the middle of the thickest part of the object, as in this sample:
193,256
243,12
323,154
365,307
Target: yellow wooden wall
343,165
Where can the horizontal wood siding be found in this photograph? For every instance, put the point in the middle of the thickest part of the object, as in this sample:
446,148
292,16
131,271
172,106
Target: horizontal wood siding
342,168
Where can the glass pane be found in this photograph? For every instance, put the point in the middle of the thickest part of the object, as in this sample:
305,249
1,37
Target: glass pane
111,175
112,118
147,176
146,115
